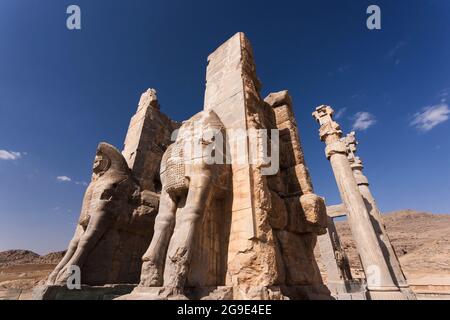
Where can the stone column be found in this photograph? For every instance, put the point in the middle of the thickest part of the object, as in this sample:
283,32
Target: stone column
380,283
375,215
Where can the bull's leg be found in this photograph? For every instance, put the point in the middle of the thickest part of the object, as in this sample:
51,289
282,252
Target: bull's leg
70,252
98,225
188,221
153,259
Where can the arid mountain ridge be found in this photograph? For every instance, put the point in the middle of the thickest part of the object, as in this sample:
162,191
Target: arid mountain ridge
421,240
16,257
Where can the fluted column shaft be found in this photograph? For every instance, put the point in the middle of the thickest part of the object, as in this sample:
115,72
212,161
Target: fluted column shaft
378,225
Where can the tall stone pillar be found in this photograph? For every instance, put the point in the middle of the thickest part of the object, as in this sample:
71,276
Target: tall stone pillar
380,283
148,136
232,92
274,217
375,216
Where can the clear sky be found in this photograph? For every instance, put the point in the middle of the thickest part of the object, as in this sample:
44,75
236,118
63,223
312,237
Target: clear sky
62,92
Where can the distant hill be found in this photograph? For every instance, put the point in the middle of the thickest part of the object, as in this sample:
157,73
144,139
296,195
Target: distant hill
19,257
12,257
421,240
51,258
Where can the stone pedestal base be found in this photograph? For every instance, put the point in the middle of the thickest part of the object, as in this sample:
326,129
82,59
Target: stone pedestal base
162,293
317,292
385,295
348,290
10,294
58,292
408,293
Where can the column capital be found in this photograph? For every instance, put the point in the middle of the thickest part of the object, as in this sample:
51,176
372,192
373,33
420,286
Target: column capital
328,127
351,143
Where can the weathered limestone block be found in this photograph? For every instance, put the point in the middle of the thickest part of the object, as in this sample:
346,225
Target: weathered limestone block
298,255
292,162
306,211
61,292
305,214
288,157
278,215
291,152
148,136
260,206
282,113
277,184
232,91
314,206
276,99
113,229
248,268
311,216
297,179
258,293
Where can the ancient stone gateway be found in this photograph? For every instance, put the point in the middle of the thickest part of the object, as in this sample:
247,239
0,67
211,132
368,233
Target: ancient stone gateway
119,209
263,229
218,207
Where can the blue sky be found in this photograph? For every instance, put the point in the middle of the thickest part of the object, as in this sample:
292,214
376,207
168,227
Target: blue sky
62,92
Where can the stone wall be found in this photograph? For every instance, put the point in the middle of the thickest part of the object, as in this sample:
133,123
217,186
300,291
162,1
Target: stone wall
274,219
148,136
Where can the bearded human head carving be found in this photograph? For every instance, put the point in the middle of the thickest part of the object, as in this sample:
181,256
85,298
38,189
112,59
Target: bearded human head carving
107,158
101,163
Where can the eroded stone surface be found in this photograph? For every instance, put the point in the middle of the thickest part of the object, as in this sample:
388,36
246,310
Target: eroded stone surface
148,136
219,226
258,256
114,226
121,202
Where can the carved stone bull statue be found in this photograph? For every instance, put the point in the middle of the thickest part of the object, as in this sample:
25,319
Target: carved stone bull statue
193,173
